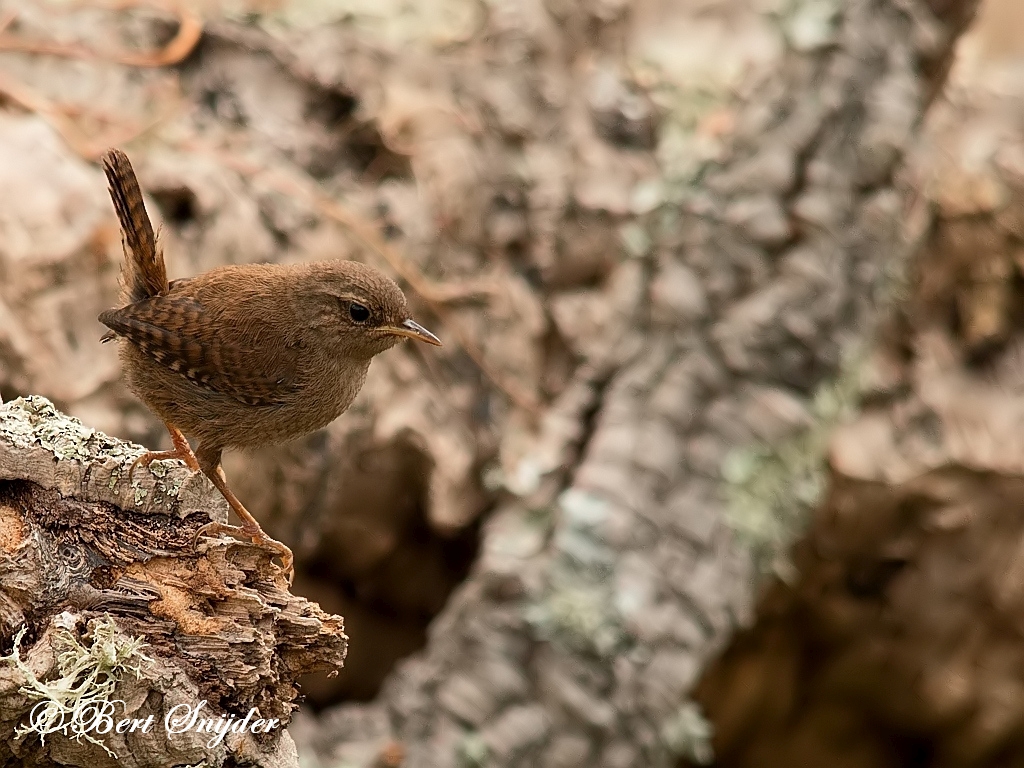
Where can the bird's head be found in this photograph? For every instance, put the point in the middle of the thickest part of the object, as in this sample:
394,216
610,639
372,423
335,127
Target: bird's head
363,309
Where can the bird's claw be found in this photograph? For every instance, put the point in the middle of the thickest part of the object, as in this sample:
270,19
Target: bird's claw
257,537
150,456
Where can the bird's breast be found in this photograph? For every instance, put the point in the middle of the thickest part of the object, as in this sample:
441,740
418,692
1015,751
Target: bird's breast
330,392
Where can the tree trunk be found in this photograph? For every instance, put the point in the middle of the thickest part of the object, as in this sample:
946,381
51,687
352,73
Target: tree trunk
597,601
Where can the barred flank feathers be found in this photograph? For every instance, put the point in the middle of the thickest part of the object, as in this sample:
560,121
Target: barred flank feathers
143,274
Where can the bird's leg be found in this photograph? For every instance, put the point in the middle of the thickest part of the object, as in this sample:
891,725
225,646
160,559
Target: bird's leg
182,451
209,463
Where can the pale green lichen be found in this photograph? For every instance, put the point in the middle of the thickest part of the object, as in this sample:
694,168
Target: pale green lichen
577,607
167,482
685,152
772,489
172,486
809,25
688,734
87,676
33,420
579,616
472,750
636,240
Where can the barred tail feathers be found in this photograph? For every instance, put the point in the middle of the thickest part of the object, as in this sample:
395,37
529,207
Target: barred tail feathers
143,274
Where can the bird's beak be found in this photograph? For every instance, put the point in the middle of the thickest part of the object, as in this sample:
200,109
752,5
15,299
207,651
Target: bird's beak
413,330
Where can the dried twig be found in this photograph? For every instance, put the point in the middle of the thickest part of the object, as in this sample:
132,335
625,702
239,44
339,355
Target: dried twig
57,115
190,30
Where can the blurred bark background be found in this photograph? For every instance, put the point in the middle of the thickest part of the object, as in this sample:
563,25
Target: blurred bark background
659,240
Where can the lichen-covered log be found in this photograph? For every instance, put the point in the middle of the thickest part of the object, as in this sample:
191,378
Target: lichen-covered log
94,567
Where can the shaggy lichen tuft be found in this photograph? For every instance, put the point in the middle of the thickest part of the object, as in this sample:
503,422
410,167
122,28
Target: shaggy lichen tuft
87,677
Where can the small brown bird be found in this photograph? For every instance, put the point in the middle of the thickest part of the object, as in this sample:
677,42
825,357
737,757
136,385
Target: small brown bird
248,355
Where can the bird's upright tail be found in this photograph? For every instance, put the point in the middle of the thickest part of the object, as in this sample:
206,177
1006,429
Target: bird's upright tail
143,274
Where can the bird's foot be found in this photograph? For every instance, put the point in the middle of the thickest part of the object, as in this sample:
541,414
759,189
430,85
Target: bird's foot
182,450
150,456
257,537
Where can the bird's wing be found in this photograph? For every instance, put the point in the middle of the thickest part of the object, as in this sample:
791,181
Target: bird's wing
244,360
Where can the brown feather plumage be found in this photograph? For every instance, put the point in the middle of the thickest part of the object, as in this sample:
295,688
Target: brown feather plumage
244,355
181,333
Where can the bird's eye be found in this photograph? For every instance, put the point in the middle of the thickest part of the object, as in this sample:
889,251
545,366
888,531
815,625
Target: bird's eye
358,312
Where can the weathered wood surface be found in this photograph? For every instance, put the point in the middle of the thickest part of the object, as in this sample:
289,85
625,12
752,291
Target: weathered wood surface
79,546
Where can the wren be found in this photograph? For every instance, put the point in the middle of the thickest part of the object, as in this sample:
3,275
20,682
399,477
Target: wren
243,356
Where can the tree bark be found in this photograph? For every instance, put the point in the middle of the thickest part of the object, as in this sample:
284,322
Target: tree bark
597,600
896,637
